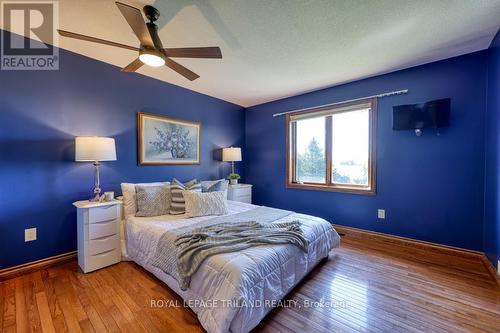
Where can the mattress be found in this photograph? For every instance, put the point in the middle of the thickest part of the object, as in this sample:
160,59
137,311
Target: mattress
232,292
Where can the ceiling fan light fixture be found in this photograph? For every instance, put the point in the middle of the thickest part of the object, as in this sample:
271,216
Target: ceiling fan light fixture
153,58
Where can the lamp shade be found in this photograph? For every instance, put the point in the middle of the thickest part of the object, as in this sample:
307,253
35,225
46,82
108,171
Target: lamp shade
94,148
232,154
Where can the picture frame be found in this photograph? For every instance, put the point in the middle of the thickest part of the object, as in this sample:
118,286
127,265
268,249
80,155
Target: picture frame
164,140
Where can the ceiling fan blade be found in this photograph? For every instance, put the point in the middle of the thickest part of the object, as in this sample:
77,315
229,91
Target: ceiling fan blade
95,40
136,21
133,66
194,52
181,69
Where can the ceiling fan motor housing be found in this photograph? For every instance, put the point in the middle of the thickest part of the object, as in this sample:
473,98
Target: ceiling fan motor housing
151,50
151,13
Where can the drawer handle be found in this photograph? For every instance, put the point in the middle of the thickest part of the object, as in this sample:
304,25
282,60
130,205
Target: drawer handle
103,253
105,221
103,237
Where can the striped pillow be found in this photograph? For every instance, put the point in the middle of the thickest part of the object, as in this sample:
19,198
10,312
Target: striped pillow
178,205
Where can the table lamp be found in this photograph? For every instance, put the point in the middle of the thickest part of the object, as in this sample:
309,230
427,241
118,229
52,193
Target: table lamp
231,154
95,149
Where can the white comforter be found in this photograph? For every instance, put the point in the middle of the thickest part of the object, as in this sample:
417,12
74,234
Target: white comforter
249,279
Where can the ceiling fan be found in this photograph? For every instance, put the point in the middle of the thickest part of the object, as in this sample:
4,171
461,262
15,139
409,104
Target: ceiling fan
151,51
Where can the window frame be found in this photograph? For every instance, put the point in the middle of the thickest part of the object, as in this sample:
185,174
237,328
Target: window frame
291,149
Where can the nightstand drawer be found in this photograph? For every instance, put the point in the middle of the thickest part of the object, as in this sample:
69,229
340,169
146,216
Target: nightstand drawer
104,213
243,198
103,229
241,191
101,245
102,260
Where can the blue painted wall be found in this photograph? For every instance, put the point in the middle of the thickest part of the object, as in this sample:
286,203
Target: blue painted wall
40,114
431,186
492,179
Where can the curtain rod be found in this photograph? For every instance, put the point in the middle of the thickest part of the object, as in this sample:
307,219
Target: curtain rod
390,93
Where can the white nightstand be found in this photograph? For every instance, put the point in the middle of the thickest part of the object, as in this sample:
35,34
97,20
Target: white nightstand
98,234
240,192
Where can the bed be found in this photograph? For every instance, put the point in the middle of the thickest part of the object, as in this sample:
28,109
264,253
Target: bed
232,292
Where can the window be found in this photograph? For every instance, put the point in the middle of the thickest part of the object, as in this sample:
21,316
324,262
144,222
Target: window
333,148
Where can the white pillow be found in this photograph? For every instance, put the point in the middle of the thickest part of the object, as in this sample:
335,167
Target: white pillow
128,192
203,204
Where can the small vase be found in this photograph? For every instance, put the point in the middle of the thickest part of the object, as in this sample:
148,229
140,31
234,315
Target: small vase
233,181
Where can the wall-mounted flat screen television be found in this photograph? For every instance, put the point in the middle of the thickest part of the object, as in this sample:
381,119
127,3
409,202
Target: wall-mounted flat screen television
433,114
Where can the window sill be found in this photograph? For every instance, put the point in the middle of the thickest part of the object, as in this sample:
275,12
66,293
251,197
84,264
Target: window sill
329,188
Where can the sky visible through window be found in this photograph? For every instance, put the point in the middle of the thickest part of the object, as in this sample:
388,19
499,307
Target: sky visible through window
350,148
307,130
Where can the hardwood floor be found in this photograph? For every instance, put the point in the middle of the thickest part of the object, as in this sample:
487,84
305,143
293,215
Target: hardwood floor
373,286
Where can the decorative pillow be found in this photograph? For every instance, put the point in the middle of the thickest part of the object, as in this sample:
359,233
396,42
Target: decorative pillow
203,204
129,201
178,205
152,200
215,185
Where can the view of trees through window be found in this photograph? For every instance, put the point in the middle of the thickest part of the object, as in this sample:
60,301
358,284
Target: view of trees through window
311,161
350,148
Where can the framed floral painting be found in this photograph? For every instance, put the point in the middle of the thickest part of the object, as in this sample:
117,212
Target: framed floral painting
165,140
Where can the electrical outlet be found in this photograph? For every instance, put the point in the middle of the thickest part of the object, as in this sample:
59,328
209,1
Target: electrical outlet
381,213
29,234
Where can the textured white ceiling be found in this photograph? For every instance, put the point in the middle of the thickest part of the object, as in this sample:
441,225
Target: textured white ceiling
279,48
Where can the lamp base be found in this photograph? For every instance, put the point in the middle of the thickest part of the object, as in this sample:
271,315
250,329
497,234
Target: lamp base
97,187
96,198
